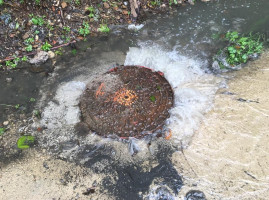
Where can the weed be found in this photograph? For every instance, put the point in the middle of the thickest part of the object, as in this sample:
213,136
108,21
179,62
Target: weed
66,29
46,46
85,29
59,52
29,48
77,2
50,27
155,2
171,2
39,21
32,99
92,11
37,2
29,41
240,48
11,63
24,58
24,142
2,131
103,28
152,98
37,114
1,2
17,106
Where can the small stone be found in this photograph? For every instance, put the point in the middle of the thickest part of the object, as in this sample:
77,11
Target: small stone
5,123
11,35
8,80
51,54
36,37
39,58
68,17
64,4
195,195
45,165
125,12
106,5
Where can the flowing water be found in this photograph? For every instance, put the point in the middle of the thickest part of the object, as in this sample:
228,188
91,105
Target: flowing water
216,117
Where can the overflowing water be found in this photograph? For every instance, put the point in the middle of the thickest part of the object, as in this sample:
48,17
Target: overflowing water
180,45
193,89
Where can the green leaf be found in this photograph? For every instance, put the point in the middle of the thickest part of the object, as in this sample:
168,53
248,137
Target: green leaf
34,21
32,99
153,98
2,130
24,142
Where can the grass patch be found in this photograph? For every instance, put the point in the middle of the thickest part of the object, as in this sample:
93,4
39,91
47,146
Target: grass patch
240,49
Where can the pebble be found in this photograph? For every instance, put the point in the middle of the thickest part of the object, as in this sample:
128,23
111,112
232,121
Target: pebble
25,36
8,80
51,54
5,123
64,4
106,5
36,37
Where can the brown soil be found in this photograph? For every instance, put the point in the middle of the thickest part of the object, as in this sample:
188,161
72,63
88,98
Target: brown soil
62,21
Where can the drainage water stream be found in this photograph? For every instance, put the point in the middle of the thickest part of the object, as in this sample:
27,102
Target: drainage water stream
181,46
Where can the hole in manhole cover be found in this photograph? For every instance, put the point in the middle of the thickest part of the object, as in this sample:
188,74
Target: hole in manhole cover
129,101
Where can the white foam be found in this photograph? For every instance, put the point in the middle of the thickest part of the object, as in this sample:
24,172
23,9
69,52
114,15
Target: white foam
194,89
194,92
64,110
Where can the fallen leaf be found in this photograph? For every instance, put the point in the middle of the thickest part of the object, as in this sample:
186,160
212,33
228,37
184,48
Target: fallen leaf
64,4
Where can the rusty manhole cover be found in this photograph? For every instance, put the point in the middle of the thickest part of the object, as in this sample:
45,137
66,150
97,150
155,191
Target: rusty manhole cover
129,101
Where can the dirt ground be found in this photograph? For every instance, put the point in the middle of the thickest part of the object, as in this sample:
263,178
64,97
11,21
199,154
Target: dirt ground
228,156
26,26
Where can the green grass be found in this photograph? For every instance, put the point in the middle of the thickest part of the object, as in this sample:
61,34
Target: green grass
103,28
46,46
29,42
39,21
85,29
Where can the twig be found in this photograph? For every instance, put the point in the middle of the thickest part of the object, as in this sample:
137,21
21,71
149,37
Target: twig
62,16
35,52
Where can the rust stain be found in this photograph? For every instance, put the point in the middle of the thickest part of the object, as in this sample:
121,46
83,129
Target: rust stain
168,135
99,91
125,97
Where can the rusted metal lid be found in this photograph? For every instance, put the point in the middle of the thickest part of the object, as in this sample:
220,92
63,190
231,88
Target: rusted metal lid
129,101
